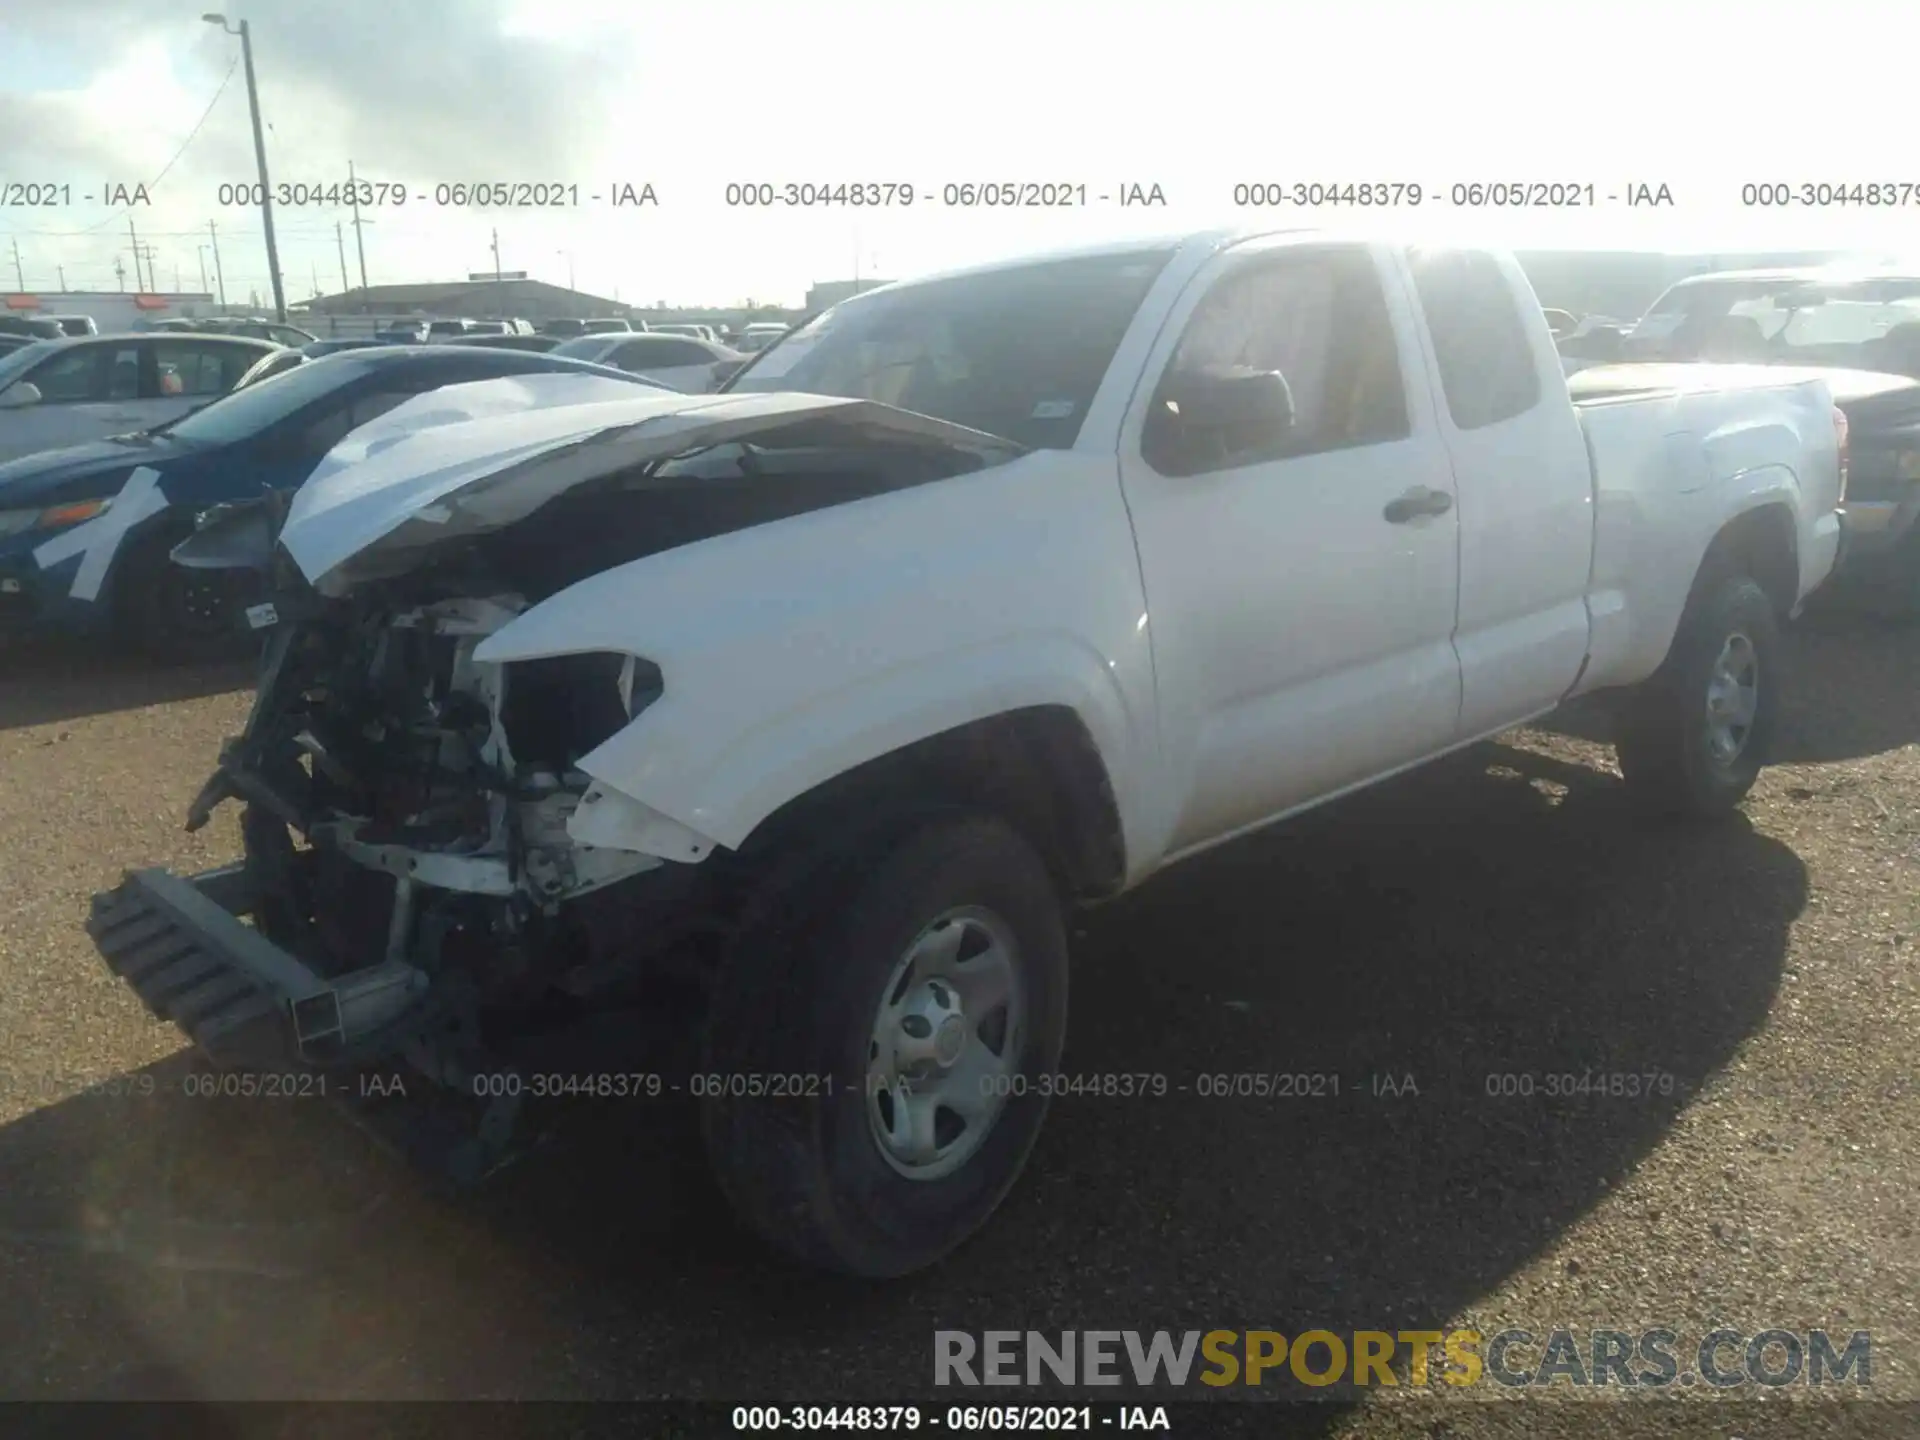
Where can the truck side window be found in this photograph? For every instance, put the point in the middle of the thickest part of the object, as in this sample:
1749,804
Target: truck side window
1317,317
1487,369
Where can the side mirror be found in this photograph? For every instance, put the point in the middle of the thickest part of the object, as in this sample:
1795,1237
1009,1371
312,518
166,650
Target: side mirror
1212,419
19,396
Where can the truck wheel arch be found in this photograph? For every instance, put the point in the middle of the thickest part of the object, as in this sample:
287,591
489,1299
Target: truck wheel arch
1038,767
1761,543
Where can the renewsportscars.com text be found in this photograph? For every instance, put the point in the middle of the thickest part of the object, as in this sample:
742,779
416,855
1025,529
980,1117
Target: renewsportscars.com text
1318,1359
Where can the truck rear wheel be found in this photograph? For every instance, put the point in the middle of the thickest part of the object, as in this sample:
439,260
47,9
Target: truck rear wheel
1693,738
874,1069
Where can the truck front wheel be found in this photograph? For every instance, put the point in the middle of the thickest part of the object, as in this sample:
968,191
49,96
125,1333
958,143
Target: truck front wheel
880,1045
1693,738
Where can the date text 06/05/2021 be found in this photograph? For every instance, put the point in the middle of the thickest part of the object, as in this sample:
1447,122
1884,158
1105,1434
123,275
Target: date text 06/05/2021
1043,1419
1238,1085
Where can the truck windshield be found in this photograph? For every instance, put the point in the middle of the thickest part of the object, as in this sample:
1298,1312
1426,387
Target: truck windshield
1016,352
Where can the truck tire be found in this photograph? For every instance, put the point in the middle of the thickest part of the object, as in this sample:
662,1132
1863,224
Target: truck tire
1693,738
872,1078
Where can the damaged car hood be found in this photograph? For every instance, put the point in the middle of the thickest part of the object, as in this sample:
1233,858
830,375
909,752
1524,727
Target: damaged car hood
468,459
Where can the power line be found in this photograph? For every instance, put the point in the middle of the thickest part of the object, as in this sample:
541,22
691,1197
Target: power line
196,129
191,135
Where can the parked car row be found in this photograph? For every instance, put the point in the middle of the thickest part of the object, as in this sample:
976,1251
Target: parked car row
680,361
70,391
251,327
1856,329
568,329
826,696
86,529
47,327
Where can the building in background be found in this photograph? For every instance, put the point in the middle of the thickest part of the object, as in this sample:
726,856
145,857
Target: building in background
513,297
488,299
832,292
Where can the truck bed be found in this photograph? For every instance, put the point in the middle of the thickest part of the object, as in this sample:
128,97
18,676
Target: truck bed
1673,447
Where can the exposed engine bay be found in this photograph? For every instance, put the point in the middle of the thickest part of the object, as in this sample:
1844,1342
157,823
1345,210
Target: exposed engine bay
408,806
431,874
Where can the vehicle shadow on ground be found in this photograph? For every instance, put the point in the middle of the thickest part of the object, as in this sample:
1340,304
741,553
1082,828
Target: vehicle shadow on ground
44,684
1467,931
1853,690
1854,687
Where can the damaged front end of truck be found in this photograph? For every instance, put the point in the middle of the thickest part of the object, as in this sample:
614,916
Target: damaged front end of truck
432,869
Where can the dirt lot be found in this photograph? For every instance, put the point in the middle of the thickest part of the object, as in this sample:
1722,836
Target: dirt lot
1503,916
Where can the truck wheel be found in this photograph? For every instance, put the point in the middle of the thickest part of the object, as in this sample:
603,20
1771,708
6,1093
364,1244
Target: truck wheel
1693,738
873,1072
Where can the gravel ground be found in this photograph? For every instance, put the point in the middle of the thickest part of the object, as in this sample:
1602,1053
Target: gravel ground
1501,915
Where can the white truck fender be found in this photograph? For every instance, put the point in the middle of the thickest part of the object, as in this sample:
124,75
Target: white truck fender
793,652
1665,494
1663,570
721,783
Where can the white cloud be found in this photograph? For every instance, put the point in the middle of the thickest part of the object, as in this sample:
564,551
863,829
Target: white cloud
1194,97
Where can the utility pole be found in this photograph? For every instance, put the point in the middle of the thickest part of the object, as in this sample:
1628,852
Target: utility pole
63,278
138,284
219,275
203,268
359,241
260,156
496,257
18,274
340,240
176,277
119,274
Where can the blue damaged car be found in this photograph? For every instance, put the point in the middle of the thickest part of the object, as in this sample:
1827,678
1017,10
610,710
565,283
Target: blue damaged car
86,532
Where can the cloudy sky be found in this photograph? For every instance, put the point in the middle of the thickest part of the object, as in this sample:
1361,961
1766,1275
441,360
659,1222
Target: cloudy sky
1194,97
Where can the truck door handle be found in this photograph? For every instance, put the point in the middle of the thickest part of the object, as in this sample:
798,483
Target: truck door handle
1416,504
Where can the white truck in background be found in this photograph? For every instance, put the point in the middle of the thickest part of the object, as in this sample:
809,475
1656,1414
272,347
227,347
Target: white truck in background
975,598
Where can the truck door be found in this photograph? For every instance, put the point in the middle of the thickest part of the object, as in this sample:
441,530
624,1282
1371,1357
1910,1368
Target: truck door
1300,566
1526,489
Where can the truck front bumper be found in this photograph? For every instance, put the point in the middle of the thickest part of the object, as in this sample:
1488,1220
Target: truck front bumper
182,947
248,1004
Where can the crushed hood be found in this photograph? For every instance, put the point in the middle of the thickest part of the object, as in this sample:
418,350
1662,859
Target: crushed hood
467,459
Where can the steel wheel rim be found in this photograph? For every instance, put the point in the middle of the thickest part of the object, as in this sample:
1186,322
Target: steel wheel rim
945,1044
1733,698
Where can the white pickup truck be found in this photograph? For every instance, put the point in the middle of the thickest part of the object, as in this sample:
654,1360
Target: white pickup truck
976,598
